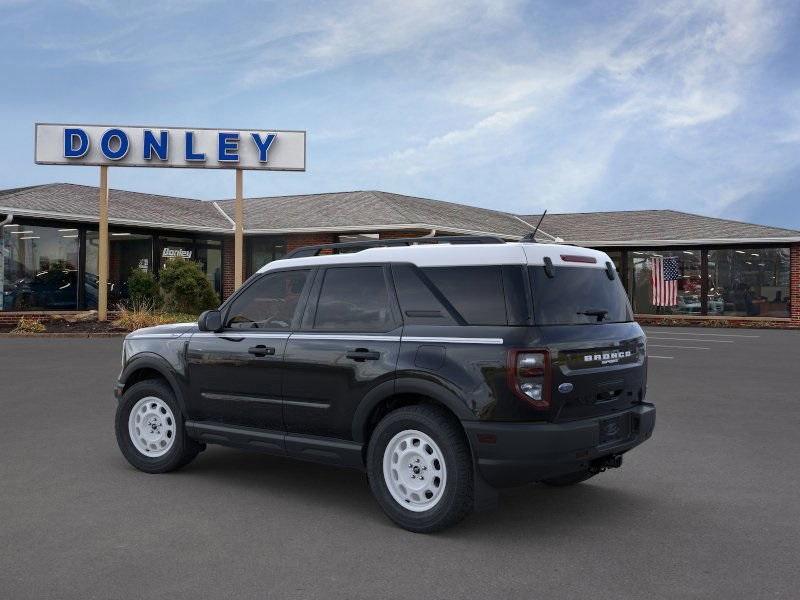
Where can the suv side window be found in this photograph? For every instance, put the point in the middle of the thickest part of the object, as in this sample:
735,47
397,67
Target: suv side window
475,292
269,303
418,301
354,299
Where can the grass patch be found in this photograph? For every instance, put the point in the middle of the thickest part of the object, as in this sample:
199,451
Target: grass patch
29,325
144,315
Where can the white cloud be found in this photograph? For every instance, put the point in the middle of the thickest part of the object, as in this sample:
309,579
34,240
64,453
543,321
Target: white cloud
476,143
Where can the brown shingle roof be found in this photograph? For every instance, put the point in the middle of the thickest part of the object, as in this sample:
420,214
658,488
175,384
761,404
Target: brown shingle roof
372,210
628,227
70,201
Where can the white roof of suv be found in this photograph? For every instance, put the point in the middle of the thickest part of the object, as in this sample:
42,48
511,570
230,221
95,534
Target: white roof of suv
446,255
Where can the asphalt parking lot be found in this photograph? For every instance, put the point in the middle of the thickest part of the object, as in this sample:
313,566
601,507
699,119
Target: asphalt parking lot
709,508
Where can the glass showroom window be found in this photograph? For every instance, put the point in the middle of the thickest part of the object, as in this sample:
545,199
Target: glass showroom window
128,252
666,281
39,268
209,255
262,250
749,282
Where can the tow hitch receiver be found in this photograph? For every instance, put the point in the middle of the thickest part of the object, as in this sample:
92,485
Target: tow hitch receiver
614,461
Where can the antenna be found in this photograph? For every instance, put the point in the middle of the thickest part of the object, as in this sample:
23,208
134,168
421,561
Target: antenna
531,237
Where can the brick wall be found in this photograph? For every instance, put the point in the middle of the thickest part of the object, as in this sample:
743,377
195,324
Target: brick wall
293,242
393,235
794,283
227,267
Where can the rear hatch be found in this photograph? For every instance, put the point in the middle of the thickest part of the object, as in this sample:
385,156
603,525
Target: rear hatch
597,352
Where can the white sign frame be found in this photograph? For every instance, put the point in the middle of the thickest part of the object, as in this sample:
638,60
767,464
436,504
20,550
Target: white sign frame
285,152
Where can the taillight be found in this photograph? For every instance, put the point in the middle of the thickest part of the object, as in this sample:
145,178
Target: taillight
529,376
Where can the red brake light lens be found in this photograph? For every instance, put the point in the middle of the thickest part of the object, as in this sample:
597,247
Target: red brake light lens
578,258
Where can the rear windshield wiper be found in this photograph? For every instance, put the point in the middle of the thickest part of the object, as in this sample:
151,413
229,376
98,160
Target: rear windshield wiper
594,312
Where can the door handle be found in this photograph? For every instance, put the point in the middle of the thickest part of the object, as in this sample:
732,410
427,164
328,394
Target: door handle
362,354
261,350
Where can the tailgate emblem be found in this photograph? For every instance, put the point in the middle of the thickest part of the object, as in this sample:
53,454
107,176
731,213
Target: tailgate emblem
565,388
607,358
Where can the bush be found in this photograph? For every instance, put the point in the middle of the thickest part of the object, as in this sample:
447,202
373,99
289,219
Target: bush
185,288
28,325
143,289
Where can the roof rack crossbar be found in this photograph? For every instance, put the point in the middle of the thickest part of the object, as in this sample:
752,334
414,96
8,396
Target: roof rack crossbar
337,248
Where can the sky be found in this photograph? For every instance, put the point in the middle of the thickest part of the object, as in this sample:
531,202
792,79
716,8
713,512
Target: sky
563,105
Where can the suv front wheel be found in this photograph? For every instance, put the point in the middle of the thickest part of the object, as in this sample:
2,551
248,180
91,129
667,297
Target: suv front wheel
149,427
420,468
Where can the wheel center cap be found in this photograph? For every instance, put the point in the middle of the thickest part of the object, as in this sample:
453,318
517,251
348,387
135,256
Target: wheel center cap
154,423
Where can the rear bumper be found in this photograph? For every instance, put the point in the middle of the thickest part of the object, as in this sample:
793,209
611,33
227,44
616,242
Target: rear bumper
511,454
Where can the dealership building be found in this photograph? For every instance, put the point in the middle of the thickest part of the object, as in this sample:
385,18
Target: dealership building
726,270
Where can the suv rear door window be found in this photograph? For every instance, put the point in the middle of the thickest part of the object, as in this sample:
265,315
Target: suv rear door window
354,299
475,292
418,300
269,303
578,295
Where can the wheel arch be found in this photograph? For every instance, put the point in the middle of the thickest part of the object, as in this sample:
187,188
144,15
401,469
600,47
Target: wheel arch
152,366
404,392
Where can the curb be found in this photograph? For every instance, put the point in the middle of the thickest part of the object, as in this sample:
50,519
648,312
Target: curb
64,335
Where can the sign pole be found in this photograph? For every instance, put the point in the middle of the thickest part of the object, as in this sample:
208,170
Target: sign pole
238,254
102,258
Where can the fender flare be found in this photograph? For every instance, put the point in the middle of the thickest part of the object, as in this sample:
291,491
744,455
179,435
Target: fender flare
150,360
409,385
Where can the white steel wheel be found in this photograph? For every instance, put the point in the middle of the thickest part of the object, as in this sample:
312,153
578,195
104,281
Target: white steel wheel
151,426
414,470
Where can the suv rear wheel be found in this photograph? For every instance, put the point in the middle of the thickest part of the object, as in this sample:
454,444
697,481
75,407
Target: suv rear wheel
420,469
149,427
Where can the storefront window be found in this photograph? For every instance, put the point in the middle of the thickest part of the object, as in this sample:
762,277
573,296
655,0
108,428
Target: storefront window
39,268
128,252
666,281
175,247
262,250
209,255
749,282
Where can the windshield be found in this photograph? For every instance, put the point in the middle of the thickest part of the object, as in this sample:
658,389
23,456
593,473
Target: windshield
577,296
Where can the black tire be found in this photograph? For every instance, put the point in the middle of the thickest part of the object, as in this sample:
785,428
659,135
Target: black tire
457,498
569,478
183,449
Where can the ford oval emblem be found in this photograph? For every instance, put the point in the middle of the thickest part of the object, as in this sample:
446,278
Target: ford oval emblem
565,388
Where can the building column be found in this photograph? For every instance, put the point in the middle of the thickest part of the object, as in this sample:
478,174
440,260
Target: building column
238,277
102,253
794,283
228,262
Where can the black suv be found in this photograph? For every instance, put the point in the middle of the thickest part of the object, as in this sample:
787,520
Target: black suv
443,367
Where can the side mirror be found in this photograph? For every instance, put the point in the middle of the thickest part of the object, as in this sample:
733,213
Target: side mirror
210,320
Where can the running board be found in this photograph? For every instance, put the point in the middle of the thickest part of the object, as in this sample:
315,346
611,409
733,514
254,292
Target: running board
305,447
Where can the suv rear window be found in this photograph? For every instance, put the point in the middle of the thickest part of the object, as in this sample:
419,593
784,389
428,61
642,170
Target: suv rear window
475,292
578,295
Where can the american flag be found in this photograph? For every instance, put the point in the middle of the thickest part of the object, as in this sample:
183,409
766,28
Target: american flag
664,279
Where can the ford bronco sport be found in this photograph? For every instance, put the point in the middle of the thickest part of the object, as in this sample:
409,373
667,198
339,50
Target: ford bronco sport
443,367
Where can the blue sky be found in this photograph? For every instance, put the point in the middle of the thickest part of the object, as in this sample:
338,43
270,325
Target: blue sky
565,105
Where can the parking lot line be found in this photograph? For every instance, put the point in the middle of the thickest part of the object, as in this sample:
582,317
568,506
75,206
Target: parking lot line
736,335
672,339
687,347
654,356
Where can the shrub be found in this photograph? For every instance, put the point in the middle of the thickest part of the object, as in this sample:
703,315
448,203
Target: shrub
185,288
143,289
28,325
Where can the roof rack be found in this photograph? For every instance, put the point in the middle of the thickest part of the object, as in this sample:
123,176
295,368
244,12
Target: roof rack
307,251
